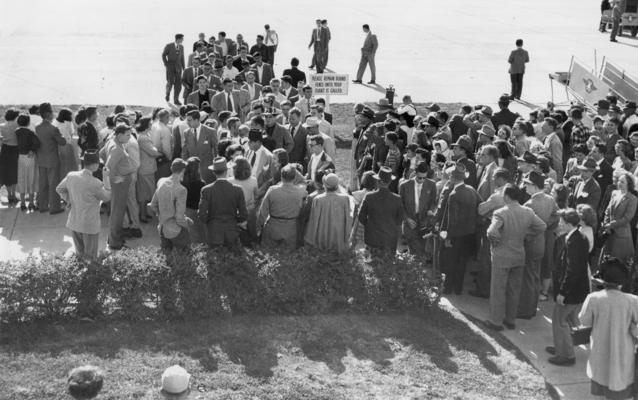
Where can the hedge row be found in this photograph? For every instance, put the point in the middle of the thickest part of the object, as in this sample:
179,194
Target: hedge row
145,283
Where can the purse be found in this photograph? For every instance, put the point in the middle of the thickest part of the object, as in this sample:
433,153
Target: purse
581,335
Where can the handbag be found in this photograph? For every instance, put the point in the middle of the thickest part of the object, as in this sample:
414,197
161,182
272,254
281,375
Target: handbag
581,335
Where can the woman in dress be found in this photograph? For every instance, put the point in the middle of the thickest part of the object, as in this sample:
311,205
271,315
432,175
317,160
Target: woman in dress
232,152
613,317
28,145
242,177
70,152
9,154
145,185
193,183
505,158
618,215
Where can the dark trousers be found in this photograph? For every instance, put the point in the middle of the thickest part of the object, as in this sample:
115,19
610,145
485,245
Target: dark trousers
484,276
319,58
48,181
615,28
270,55
456,262
181,241
119,197
517,85
416,243
173,80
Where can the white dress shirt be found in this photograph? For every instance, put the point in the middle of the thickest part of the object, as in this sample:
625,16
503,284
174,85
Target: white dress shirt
417,195
314,162
230,73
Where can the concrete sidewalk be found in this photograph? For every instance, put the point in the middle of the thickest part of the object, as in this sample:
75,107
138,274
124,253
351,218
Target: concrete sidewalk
531,337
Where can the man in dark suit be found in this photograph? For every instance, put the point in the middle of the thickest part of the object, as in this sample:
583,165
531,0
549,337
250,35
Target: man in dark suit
319,160
202,95
517,60
222,208
227,100
458,228
48,161
418,196
200,141
242,58
299,135
381,214
324,25
461,149
288,90
368,51
259,47
294,73
324,115
571,283
605,171
174,62
279,136
319,39
263,71
587,191
214,81
188,78
504,116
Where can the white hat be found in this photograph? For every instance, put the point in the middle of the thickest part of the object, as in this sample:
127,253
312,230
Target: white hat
175,380
312,121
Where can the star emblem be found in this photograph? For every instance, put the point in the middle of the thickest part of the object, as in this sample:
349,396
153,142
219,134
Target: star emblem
589,85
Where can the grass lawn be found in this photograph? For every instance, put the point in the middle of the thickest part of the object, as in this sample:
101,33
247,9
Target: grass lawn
437,354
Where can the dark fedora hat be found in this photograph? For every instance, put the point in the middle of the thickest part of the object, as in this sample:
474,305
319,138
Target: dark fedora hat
528,157
588,164
91,157
535,178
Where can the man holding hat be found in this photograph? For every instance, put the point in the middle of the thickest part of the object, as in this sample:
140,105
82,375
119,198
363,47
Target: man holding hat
381,214
222,208
85,193
169,204
461,149
587,190
458,228
504,116
175,383
545,207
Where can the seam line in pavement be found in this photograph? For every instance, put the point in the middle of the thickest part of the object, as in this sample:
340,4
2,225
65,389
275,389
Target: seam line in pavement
13,228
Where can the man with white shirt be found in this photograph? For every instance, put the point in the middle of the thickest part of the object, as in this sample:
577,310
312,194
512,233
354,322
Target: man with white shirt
306,101
289,92
271,41
253,88
316,111
328,144
275,85
230,71
299,138
227,100
161,136
319,160
258,156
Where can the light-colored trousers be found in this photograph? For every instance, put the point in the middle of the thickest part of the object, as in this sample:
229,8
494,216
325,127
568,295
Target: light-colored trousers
504,293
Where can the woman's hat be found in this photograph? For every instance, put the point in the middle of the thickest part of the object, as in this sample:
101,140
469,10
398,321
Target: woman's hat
385,175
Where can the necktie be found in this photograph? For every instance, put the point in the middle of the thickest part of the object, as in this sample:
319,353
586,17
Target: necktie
292,132
253,157
229,104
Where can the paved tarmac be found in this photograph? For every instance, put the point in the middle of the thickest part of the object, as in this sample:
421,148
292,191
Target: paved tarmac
74,52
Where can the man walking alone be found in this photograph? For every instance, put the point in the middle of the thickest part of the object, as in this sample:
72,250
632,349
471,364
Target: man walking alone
517,60
369,49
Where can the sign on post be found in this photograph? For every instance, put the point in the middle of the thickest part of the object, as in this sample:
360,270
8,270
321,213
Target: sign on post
329,84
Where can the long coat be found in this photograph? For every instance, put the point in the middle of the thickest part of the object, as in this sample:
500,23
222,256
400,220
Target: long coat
330,222
571,277
205,148
619,212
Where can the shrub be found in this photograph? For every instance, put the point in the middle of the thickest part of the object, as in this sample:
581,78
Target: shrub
146,283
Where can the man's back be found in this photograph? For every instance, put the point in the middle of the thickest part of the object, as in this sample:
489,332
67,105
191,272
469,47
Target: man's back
381,213
223,202
462,211
50,138
510,225
517,60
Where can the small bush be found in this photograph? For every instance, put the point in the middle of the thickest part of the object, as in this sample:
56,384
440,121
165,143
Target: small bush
146,283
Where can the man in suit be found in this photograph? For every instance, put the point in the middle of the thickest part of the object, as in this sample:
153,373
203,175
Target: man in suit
222,208
198,53
227,45
587,190
173,59
188,78
319,160
203,96
48,161
504,116
305,102
259,47
517,60
329,146
553,145
226,100
319,39
381,215
288,90
253,88
242,58
244,98
214,82
259,157
368,51
294,73
604,172
263,71
200,141
487,158
419,199
278,134
461,149
299,135
458,228
324,26
507,231
324,115
571,283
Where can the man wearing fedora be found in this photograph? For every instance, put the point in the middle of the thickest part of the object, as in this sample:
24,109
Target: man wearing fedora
84,194
462,148
545,207
526,163
222,208
458,228
629,119
475,121
504,116
486,136
587,190
384,108
381,215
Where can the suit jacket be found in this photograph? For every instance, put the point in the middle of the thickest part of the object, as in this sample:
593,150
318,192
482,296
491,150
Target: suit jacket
507,231
470,166
50,139
237,61
293,96
173,57
328,117
303,105
298,153
296,75
281,138
589,194
244,104
323,38
619,213
504,117
571,274
462,211
188,78
325,163
486,183
205,148
370,44
177,140
257,91
215,83
554,146
517,60
88,137
381,214
221,206
218,103
266,76
427,200
193,98
604,175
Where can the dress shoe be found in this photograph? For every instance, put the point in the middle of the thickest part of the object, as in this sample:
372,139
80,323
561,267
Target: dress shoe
509,325
356,81
133,232
23,207
53,212
44,210
371,83
311,67
166,98
177,103
613,40
527,317
551,350
562,361
476,293
492,326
